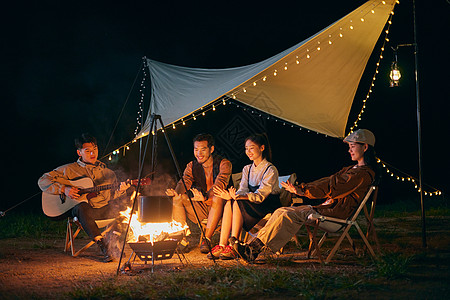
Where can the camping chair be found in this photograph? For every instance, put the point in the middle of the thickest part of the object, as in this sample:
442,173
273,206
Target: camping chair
334,225
106,224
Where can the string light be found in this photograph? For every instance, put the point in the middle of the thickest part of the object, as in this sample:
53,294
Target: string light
403,177
372,84
142,97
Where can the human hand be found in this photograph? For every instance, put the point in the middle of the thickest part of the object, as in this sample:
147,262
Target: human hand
232,192
198,196
172,193
71,192
221,193
289,187
124,186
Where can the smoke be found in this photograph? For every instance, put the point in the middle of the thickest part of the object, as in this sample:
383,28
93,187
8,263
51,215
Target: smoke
158,186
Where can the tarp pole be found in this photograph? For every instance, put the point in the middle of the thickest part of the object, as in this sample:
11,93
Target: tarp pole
419,130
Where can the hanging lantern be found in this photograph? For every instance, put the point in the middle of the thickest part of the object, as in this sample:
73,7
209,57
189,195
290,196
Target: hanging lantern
395,75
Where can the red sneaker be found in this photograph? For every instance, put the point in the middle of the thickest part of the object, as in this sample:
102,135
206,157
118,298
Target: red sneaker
228,253
215,252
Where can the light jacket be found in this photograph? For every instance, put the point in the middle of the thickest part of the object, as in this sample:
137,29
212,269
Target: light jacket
52,182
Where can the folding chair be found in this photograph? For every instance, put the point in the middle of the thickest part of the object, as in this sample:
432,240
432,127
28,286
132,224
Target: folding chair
106,224
334,225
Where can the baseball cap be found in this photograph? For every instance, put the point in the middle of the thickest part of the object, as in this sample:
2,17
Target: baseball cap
361,136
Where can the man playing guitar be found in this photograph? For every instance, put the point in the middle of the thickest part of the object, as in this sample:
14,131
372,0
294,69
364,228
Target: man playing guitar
104,204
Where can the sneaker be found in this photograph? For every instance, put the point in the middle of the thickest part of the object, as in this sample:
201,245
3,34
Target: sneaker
228,253
233,242
247,252
204,246
106,256
215,252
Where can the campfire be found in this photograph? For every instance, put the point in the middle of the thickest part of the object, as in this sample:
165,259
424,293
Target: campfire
150,232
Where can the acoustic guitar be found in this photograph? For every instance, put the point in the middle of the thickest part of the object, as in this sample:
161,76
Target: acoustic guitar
56,205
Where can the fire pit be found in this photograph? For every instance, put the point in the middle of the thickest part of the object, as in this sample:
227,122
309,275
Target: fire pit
153,234
160,250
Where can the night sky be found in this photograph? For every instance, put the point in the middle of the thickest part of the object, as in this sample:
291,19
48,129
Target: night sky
68,68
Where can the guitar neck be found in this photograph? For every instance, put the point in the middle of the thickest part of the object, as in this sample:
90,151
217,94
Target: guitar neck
99,188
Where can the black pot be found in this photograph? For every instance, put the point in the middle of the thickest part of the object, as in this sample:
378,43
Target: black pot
155,209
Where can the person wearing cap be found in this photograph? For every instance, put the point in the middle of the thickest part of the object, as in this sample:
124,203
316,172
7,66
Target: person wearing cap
342,193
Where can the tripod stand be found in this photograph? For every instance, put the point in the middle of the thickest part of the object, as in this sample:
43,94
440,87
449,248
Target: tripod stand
152,131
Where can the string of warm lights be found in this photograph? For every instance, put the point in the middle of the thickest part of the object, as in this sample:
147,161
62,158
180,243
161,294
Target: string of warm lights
140,112
201,112
182,122
372,84
404,177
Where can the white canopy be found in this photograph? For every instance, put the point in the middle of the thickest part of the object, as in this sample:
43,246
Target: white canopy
311,84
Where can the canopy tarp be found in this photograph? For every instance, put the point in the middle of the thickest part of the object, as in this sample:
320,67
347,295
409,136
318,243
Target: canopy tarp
312,84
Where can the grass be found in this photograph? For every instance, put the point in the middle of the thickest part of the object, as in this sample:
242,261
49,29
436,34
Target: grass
392,265
225,283
438,206
30,225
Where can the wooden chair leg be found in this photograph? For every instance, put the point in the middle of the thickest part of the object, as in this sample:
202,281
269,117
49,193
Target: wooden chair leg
313,244
338,243
371,233
69,237
352,243
365,240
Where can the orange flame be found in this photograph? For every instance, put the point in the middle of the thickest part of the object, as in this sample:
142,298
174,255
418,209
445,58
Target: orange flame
151,231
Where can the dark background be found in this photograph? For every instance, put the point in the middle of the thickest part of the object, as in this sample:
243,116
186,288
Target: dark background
68,68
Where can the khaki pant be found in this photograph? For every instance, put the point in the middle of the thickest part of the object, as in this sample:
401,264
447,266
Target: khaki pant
182,208
283,225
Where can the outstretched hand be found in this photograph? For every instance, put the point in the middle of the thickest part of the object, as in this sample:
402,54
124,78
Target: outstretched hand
232,192
289,187
224,194
198,196
172,193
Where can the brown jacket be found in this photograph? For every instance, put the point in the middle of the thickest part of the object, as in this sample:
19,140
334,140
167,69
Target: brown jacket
343,191
220,177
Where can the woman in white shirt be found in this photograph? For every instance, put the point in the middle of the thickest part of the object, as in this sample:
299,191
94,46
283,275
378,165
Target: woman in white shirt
258,195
